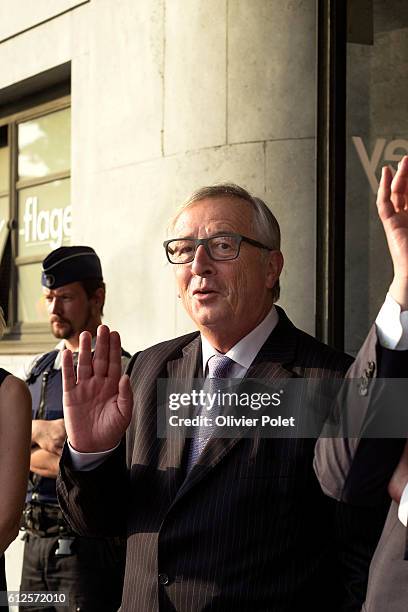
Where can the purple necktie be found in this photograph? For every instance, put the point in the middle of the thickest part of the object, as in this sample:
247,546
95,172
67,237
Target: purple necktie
219,366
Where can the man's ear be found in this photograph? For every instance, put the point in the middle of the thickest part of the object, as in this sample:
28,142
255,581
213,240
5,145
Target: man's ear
275,265
99,297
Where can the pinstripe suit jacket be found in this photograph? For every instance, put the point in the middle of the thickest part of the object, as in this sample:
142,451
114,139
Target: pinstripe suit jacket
248,528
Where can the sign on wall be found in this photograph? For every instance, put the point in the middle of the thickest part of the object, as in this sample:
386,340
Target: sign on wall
383,153
45,218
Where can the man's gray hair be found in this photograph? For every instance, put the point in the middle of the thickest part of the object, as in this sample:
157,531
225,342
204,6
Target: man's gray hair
265,226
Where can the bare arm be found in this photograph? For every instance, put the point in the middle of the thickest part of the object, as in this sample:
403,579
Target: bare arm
15,434
44,463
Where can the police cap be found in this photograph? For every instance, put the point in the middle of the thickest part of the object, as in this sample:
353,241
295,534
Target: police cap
70,264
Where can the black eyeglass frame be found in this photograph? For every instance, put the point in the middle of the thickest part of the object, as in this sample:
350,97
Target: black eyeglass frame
204,241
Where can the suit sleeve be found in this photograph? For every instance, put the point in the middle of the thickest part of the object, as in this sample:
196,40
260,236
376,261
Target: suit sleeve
94,503
357,469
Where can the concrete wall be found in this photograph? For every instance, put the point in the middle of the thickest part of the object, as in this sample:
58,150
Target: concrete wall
169,95
18,16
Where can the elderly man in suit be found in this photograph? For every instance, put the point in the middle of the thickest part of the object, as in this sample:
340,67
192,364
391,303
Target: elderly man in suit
232,524
359,470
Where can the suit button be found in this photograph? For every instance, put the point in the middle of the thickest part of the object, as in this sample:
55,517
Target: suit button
164,579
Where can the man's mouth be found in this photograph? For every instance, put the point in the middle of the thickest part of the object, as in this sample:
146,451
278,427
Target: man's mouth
204,294
58,322
203,291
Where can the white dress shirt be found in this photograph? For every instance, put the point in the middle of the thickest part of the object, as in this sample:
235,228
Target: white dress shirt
244,351
392,325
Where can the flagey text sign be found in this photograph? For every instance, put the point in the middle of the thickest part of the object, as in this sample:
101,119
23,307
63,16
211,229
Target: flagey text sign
50,227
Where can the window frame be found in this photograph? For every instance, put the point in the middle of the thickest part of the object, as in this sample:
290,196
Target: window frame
22,337
331,171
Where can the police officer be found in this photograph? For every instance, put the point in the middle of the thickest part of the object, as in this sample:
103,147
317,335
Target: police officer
89,571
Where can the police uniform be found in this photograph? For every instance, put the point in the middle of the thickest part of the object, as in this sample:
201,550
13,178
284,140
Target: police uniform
89,571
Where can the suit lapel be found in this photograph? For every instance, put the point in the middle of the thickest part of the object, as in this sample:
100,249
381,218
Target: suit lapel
278,350
185,368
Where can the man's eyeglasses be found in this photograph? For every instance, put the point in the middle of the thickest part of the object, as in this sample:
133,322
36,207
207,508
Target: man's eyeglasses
219,248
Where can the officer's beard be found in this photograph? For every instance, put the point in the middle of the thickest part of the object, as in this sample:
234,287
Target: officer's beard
66,329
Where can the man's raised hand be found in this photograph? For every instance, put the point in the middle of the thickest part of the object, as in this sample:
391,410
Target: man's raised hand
98,402
392,204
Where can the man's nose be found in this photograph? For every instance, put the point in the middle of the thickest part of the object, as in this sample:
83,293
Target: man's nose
202,264
54,306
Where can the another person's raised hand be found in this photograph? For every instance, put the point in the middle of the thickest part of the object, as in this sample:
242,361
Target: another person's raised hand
98,405
392,204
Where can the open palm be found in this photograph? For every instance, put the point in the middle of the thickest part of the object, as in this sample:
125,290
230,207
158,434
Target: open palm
98,403
392,203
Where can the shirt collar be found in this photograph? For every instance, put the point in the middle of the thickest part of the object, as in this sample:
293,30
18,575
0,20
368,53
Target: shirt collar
244,351
61,347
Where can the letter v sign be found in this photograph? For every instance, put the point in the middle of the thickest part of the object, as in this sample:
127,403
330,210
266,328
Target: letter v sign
370,165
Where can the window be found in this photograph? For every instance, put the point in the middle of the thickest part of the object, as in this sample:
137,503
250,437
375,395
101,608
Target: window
35,209
377,134
362,125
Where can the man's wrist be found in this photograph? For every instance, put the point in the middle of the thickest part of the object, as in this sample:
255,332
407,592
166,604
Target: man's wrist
399,291
88,461
392,325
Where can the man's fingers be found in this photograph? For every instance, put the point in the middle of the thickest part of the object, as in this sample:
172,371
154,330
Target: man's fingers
68,374
384,204
101,354
57,448
115,361
399,186
125,398
398,201
393,192
399,182
84,369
